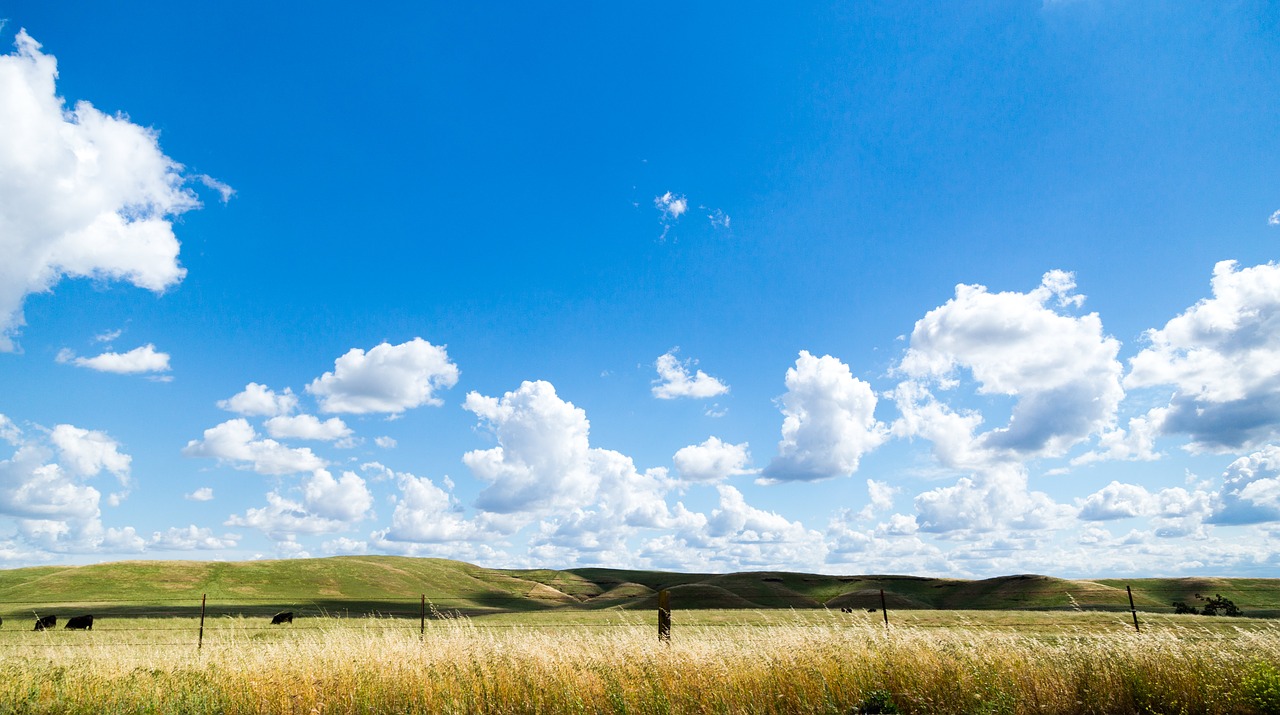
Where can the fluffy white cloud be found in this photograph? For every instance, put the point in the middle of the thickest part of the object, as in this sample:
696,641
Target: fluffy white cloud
307,427
879,498
425,513
88,452
675,381
829,422
344,546
82,193
236,441
1061,370
261,401
137,361
191,538
1274,219
1117,501
712,461
44,488
995,501
544,462
283,519
737,536
1138,443
201,494
385,442
543,459
345,499
1222,357
1251,489
389,378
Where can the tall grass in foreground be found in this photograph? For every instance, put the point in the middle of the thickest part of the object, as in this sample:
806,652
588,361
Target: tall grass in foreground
366,667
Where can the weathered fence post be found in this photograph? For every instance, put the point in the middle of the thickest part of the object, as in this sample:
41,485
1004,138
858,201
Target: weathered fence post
200,642
884,609
422,619
1132,610
664,616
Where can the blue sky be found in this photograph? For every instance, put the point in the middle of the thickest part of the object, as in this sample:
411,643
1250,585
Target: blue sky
855,288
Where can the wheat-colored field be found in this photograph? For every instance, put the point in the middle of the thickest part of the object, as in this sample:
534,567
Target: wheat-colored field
725,662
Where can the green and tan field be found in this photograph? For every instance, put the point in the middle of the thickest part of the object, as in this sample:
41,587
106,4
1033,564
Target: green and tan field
585,641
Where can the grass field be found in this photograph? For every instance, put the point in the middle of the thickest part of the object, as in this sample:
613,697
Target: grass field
726,661
381,584
585,641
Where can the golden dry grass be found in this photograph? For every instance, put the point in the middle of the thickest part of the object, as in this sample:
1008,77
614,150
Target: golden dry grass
813,664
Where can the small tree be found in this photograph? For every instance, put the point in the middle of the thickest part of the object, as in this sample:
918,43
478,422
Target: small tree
1218,605
1180,607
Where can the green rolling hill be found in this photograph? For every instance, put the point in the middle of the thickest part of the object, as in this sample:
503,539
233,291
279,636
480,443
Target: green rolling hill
395,586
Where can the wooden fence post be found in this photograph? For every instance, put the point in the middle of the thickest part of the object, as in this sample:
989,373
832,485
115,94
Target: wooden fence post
664,616
422,619
884,609
200,642
1132,610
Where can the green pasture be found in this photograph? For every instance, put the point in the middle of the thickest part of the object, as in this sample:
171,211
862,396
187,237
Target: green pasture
358,586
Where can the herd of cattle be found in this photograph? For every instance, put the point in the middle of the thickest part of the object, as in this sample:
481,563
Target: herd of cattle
85,623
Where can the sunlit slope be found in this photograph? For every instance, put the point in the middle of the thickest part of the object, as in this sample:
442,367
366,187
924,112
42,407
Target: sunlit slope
394,586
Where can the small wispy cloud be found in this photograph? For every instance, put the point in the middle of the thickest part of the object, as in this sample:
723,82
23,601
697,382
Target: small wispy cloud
672,206
1275,219
108,335
718,218
224,190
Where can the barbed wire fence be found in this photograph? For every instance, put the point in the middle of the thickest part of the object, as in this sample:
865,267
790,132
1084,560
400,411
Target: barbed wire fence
183,621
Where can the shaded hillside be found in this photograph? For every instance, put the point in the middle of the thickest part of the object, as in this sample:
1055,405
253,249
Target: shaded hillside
392,585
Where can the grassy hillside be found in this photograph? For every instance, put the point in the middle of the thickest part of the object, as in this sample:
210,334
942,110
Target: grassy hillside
391,585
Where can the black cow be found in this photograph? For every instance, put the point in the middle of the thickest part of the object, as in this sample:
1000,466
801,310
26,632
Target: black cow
46,622
282,617
79,623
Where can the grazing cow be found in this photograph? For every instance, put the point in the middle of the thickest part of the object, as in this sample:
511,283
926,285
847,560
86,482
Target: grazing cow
846,609
79,623
282,617
46,622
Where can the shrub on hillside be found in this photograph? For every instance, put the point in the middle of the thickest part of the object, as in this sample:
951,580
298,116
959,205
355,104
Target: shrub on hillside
1216,606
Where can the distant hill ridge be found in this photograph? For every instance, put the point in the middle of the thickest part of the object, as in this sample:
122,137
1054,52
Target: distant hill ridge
396,585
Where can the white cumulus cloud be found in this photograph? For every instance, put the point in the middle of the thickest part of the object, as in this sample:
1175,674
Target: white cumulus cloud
137,361
201,494
1251,489
235,441
1222,358
388,378
1061,370
191,538
82,193
828,422
329,505
735,537
590,500
307,427
997,500
712,461
674,380
426,513
44,487
260,401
